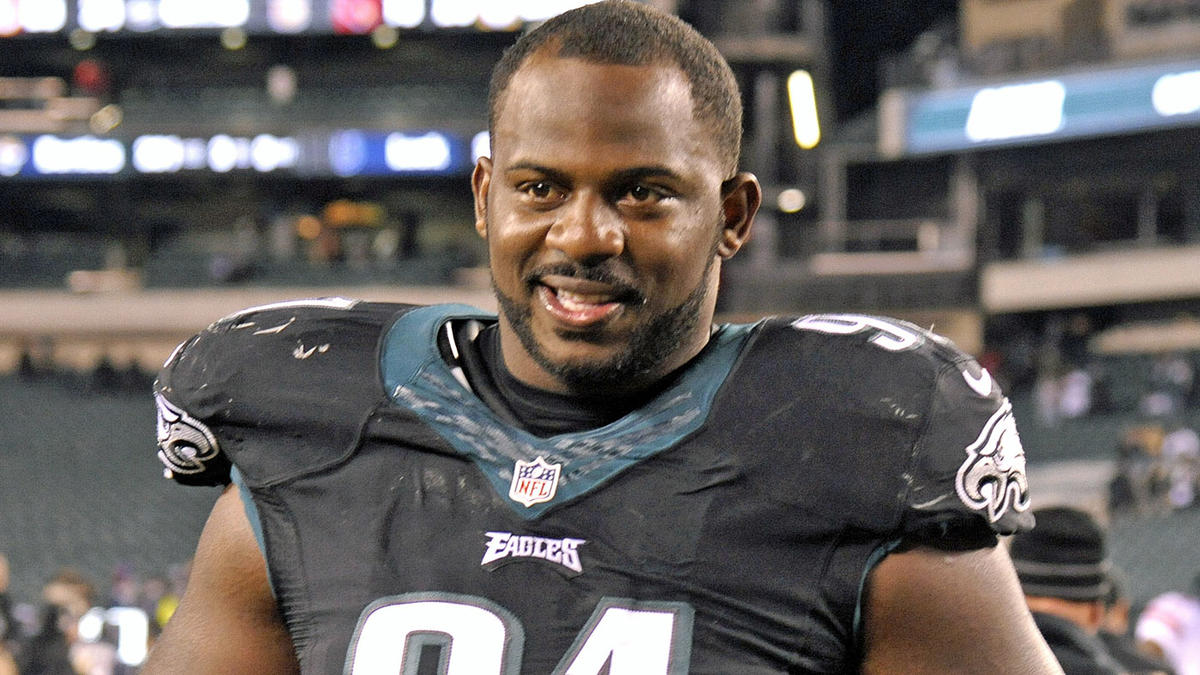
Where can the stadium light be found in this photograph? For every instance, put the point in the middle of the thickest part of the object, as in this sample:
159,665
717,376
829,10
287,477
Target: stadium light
233,38
791,200
384,36
289,16
481,146
81,40
802,97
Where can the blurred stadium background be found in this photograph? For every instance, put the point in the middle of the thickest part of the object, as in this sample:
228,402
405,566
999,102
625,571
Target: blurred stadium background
1021,175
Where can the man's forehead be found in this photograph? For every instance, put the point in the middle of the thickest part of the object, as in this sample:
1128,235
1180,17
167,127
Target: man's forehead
544,74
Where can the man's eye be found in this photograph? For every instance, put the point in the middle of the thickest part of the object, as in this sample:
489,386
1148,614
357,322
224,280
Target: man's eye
641,193
540,190
644,195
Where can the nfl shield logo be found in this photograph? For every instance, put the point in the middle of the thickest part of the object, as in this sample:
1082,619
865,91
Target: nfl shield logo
534,482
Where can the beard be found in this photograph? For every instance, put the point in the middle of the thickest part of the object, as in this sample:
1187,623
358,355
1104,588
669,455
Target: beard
651,343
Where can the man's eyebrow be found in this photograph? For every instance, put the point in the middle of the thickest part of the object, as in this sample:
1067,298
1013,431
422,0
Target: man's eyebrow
640,172
622,176
553,174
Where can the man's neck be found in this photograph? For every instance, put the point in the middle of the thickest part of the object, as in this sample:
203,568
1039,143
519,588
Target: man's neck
541,412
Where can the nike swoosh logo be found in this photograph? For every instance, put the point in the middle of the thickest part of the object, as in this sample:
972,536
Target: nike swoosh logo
981,385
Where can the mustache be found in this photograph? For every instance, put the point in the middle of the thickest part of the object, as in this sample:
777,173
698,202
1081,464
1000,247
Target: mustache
624,286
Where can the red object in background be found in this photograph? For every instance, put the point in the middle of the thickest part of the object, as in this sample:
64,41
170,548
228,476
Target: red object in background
356,17
91,77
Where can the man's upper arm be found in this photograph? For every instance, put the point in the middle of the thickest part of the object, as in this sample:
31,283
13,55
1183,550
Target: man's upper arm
227,621
932,611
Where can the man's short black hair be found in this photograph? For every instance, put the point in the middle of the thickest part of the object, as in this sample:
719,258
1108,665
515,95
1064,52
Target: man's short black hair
621,32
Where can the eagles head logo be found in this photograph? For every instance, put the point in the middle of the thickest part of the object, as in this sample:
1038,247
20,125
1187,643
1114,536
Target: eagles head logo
184,443
992,479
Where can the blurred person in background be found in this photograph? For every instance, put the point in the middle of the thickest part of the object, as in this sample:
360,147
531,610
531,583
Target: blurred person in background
1063,567
8,629
1181,463
561,487
1139,481
67,597
1169,627
48,652
1116,631
1172,379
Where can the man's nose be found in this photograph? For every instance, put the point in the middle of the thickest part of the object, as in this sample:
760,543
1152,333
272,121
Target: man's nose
587,230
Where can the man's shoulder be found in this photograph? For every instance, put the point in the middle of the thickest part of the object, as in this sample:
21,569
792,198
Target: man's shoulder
295,365
862,355
848,337
891,407
291,316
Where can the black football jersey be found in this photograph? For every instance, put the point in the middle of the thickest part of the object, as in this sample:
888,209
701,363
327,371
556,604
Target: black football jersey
727,526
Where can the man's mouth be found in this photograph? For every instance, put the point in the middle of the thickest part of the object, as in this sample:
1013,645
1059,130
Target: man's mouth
580,303
579,310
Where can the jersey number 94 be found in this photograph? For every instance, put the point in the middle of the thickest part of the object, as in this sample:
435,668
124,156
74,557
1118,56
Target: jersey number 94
478,637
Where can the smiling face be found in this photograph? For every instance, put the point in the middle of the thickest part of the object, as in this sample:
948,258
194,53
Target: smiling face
607,214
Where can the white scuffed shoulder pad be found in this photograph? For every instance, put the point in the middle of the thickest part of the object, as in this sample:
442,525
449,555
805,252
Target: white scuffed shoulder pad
187,448
992,478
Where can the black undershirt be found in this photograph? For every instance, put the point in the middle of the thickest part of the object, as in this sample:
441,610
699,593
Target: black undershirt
540,412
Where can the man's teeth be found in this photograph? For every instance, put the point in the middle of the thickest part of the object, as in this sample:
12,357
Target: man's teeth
580,301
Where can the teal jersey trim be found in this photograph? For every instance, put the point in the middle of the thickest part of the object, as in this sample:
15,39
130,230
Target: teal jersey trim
875,558
251,510
419,380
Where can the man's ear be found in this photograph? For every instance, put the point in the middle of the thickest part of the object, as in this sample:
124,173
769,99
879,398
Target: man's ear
740,198
481,182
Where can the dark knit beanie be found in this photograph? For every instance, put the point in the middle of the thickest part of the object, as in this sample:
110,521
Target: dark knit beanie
1063,556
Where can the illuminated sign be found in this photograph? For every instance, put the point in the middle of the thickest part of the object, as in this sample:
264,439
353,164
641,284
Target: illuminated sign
1075,105
1177,94
348,152
403,13
101,15
354,152
83,155
427,152
272,16
1016,111
221,153
207,14
13,155
42,16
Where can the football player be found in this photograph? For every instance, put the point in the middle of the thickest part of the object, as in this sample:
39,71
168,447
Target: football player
598,479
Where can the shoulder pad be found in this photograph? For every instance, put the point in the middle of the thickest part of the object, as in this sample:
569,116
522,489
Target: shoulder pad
257,374
967,466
